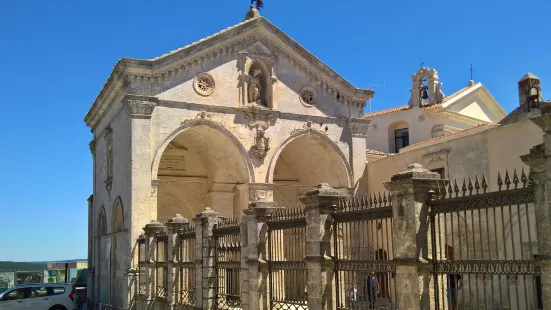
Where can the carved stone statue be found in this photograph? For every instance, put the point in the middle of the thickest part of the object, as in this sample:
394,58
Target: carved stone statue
261,144
255,87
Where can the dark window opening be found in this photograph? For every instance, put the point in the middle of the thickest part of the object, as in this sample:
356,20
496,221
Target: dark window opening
441,172
401,138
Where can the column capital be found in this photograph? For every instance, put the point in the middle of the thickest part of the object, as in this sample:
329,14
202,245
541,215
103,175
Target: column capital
140,106
358,126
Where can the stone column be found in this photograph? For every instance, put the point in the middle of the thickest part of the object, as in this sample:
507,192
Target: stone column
539,160
358,131
254,234
206,250
256,255
140,110
174,226
151,231
320,205
410,233
91,263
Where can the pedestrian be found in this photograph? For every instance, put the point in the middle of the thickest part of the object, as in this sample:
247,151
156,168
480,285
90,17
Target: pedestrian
372,290
353,297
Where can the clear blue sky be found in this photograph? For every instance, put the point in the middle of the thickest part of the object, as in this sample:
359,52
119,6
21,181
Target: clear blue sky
56,55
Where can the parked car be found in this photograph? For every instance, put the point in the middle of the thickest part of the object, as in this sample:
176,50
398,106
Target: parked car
38,296
2,289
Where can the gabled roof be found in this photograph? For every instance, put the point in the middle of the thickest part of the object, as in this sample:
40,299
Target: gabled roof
211,45
446,102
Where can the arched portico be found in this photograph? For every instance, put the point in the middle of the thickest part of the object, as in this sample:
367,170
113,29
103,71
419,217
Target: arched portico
201,164
304,160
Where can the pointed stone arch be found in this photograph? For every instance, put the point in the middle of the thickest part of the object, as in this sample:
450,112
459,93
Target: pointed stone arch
118,216
101,223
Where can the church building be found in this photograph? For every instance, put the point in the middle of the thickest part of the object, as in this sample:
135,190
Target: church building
246,115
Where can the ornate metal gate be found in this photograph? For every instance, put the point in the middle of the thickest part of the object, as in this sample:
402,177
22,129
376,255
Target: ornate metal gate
286,254
483,244
228,264
363,250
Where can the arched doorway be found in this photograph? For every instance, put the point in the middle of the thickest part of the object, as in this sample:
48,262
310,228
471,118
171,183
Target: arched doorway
202,165
304,161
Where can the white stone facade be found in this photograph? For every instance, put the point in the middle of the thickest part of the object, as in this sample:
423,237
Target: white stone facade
244,116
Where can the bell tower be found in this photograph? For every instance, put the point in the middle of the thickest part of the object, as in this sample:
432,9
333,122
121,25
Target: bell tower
425,89
529,92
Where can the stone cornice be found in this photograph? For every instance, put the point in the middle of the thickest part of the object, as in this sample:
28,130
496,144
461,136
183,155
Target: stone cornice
226,42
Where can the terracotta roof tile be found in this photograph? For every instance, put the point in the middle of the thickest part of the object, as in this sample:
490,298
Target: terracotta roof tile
425,106
387,111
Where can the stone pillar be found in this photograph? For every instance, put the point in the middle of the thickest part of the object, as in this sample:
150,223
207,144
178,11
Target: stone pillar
255,254
151,231
205,254
410,233
539,160
174,226
140,110
254,234
358,131
320,205
91,263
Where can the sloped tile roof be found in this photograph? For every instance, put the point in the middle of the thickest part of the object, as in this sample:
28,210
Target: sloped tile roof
425,106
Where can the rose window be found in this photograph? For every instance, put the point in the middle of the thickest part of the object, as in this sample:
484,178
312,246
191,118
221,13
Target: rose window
203,84
308,95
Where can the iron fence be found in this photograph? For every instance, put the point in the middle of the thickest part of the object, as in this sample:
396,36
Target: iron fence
484,244
286,264
186,297
363,253
228,264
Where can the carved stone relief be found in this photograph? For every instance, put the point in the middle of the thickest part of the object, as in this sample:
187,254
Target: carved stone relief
437,159
309,126
109,156
358,127
174,158
202,116
140,107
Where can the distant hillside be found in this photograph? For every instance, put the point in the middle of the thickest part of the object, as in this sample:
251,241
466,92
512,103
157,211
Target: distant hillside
19,266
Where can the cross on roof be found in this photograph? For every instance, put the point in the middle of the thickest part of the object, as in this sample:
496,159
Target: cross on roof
472,70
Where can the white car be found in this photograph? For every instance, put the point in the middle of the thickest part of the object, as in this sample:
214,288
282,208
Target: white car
38,296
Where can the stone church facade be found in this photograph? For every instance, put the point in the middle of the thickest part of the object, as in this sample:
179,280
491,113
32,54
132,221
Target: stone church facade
244,116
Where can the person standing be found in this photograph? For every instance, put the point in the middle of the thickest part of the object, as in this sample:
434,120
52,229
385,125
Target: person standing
353,298
454,284
372,290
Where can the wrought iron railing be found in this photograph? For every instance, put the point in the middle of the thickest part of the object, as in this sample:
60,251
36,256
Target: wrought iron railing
484,242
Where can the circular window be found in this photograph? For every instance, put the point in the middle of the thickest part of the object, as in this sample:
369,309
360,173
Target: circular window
308,95
203,84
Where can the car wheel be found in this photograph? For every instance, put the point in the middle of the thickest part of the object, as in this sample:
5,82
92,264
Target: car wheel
57,307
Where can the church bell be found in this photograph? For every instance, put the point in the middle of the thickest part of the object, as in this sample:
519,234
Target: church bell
425,93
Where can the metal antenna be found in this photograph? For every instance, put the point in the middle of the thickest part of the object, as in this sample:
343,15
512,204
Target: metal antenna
472,70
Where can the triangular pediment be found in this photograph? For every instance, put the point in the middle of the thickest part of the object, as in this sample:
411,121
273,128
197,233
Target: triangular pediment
253,36
478,104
